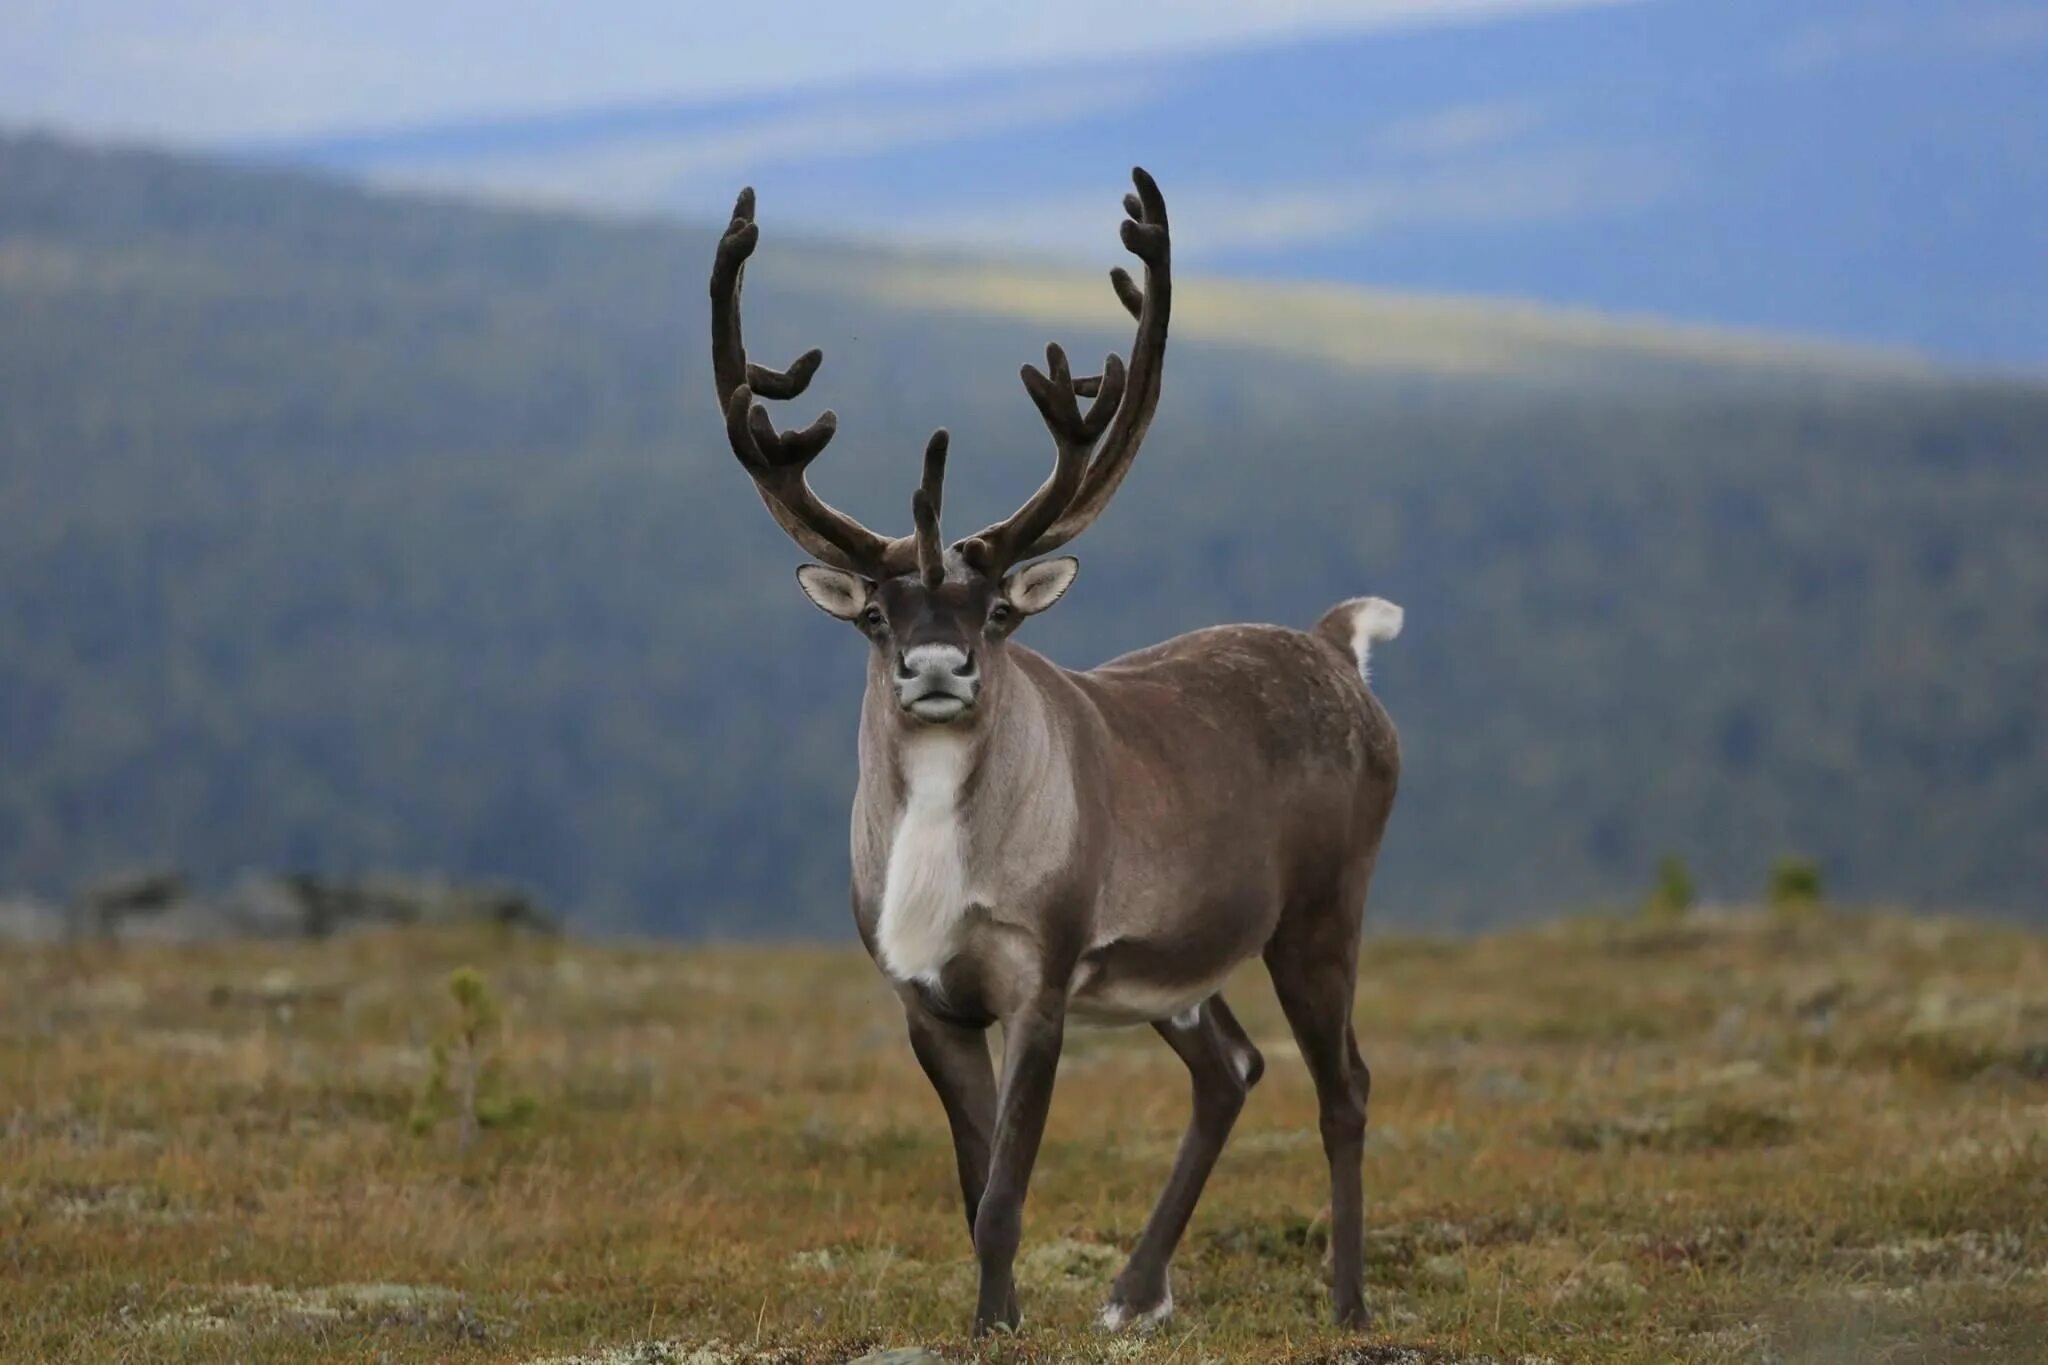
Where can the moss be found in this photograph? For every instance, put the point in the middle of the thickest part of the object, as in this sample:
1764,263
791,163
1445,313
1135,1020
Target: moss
1691,1127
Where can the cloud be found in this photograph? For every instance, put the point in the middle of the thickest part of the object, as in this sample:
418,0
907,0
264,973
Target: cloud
692,168
1461,128
1213,220
200,71
1917,34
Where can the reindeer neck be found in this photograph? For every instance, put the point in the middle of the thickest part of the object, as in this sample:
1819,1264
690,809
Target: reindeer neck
988,768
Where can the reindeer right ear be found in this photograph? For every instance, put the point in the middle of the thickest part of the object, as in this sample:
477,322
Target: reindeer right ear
837,592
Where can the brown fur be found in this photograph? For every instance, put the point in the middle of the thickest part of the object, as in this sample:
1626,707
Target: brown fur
1232,787
1222,777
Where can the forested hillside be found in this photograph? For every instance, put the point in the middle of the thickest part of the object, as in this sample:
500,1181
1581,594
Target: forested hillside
343,532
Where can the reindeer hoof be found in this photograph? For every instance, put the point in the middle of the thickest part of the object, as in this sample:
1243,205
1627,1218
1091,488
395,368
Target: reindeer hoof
1123,1317
1004,1323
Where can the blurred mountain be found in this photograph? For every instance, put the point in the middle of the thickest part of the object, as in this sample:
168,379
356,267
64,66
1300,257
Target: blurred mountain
345,531
1868,169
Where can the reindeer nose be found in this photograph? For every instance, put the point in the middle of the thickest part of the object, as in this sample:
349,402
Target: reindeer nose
937,682
934,662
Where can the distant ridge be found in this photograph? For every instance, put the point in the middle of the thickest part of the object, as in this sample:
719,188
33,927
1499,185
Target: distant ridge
1363,329
344,531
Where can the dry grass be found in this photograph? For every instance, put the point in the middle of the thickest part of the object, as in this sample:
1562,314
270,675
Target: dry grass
1728,1140
1352,328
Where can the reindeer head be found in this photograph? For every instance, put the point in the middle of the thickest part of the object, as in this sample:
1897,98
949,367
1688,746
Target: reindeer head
938,614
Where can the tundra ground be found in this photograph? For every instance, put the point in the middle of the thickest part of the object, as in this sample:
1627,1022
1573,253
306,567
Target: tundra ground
1735,1138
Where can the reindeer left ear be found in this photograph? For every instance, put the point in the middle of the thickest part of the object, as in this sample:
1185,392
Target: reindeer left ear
1035,587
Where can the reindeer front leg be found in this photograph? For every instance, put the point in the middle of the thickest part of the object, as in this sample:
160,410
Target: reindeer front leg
1031,1056
955,1060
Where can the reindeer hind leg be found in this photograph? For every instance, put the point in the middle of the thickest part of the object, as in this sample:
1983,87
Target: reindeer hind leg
1313,959
1223,1066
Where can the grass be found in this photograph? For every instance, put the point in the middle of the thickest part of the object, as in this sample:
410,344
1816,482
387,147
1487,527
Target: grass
1736,1138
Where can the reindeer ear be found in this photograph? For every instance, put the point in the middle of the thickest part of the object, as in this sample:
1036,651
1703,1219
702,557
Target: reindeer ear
1035,587
837,592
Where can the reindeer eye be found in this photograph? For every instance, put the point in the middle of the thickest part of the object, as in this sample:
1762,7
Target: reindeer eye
871,618
1001,612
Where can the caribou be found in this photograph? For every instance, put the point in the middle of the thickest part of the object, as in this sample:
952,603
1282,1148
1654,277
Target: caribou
1034,846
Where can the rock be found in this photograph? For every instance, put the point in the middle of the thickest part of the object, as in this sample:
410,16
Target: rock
900,1355
158,907
258,905
277,987
104,907
184,921
24,919
336,906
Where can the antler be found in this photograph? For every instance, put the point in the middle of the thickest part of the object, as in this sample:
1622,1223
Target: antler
776,460
1093,450
1080,486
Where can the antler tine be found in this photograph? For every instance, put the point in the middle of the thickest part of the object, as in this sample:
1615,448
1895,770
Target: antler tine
1127,293
729,359
776,461
924,512
1090,385
1107,389
1056,394
787,383
934,481
1081,485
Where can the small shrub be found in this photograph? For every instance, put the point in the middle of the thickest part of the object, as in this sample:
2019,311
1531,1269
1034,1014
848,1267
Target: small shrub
1794,889
1674,893
468,1081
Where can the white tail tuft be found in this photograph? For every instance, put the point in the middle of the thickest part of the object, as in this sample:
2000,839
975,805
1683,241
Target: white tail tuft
1373,619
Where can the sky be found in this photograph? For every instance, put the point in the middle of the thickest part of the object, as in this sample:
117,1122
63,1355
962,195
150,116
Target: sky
194,72
1867,170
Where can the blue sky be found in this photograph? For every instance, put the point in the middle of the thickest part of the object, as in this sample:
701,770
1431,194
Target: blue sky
1864,169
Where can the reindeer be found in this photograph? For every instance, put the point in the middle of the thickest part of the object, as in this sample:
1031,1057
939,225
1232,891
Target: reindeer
1033,845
